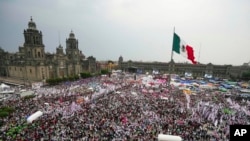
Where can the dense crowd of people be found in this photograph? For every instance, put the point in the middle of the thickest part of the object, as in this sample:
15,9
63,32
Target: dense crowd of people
121,109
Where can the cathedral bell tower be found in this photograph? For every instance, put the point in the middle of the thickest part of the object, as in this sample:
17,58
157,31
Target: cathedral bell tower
72,50
73,54
33,42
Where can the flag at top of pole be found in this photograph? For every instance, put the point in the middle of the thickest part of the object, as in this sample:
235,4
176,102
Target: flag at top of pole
180,47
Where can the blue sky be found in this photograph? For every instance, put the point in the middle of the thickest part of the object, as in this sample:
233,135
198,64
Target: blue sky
140,30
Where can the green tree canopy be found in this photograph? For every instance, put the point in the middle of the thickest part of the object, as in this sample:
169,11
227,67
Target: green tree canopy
246,75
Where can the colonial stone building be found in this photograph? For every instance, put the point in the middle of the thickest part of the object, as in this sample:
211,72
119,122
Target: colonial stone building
198,70
32,64
90,65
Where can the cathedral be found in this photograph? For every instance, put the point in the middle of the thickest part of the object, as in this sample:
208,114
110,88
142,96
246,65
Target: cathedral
32,64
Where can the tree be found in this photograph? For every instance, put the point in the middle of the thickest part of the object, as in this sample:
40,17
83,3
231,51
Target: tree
5,111
104,71
246,76
85,75
110,62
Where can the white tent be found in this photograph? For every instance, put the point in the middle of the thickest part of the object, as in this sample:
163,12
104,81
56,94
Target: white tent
26,93
2,86
5,89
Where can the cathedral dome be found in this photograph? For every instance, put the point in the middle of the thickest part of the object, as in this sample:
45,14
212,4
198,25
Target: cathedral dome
71,35
31,24
120,59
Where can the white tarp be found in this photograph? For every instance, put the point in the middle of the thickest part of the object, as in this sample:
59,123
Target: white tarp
34,116
165,98
163,137
117,92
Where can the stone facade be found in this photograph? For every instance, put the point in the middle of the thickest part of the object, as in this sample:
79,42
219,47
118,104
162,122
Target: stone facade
90,65
198,70
32,64
3,65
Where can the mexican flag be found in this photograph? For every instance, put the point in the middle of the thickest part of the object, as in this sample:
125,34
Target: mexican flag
180,47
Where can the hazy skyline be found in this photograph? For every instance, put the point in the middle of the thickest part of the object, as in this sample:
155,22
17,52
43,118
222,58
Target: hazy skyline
138,30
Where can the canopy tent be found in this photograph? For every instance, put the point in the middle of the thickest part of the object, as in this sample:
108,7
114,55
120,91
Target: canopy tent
222,89
132,69
26,93
245,90
231,83
226,86
244,85
5,89
2,86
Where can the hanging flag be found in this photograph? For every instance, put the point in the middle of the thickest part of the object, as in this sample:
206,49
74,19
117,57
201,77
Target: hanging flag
180,47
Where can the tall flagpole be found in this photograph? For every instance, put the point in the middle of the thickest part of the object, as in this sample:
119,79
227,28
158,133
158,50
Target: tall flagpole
172,47
171,61
199,54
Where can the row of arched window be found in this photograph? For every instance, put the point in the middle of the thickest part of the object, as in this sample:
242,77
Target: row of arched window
38,54
33,39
